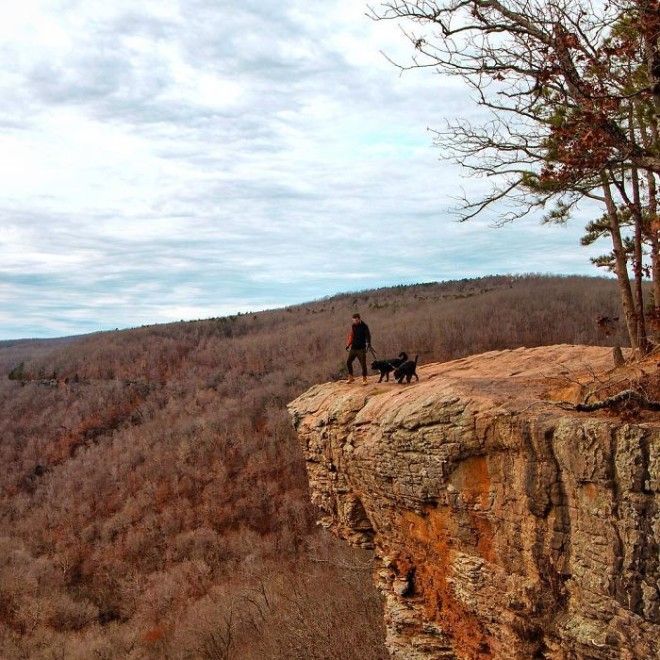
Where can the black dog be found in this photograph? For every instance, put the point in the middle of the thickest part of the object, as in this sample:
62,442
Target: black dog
407,370
386,367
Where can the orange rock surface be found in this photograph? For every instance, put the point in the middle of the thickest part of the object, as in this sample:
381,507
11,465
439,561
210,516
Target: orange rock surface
504,524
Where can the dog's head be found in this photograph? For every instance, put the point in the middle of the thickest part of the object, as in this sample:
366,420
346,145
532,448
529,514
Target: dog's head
403,355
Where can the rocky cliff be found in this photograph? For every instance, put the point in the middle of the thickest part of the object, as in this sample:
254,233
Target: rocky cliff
504,525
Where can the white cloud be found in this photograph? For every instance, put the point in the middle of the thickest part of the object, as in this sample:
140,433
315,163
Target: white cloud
165,160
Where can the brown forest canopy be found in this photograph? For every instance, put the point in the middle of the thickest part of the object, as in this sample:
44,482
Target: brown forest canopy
153,501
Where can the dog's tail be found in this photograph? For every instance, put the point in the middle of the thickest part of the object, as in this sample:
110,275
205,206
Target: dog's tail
416,356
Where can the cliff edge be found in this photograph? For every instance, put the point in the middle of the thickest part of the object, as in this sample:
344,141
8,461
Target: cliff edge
504,525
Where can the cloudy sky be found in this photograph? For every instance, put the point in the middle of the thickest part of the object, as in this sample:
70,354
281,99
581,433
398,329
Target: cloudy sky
166,160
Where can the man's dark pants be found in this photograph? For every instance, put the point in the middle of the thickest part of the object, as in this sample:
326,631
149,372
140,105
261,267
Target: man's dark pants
361,355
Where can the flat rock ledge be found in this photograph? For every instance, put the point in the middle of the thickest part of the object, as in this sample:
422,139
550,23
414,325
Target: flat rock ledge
503,525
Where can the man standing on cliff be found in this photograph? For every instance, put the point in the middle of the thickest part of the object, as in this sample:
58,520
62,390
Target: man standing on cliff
359,340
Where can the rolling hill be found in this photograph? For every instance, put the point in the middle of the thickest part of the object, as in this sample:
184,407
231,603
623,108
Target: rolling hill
154,501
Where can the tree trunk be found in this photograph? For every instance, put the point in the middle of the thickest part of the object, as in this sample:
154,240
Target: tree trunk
638,266
654,229
621,265
649,137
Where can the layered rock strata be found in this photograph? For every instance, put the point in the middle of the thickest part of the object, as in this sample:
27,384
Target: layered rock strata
504,526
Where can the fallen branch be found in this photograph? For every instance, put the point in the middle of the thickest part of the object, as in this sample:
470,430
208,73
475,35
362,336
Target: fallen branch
625,396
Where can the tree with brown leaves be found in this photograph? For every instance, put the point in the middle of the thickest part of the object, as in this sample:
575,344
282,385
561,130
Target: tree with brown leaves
572,92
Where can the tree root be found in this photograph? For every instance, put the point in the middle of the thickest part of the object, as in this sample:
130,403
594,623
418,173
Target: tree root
622,397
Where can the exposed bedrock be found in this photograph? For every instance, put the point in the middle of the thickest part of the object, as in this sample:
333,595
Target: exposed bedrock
504,526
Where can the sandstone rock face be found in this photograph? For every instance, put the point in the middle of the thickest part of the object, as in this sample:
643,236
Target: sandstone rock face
504,526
